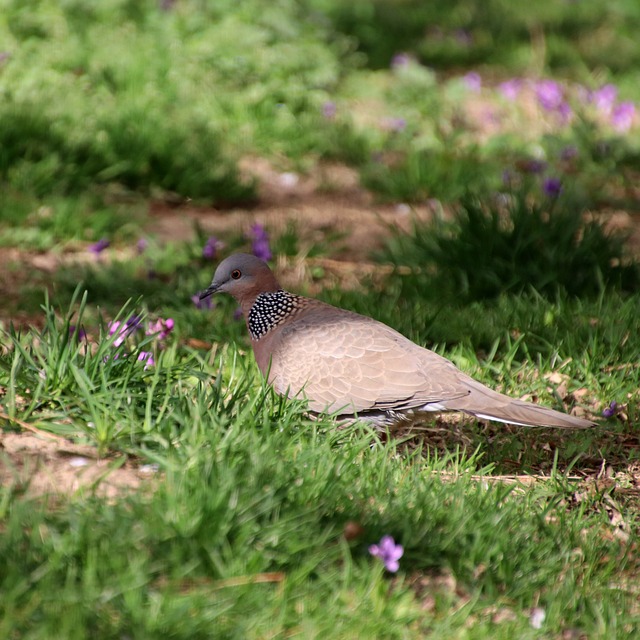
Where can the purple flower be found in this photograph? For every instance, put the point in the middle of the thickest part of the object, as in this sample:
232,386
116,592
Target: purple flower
204,304
473,81
604,98
78,332
510,89
260,242
147,358
210,248
389,552
99,246
141,245
549,94
463,37
123,329
237,314
622,116
400,60
394,124
552,187
611,410
161,327
569,153
329,110
533,166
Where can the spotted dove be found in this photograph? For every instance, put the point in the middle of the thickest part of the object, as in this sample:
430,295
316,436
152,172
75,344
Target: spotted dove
348,364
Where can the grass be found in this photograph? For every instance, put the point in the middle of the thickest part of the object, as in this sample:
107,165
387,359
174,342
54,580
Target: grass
243,525
153,486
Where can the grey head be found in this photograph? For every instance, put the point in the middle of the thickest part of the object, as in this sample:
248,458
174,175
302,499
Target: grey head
244,277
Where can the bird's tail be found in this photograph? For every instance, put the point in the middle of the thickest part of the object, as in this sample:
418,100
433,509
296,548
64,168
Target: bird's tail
485,403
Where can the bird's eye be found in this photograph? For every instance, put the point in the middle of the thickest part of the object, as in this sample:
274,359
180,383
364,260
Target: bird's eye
235,274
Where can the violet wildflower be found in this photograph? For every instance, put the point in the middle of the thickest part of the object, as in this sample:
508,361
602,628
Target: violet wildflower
394,124
389,553
210,248
463,37
123,329
604,98
552,187
565,112
205,304
78,332
329,110
549,95
472,81
98,247
141,245
400,60
569,153
237,314
532,166
260,242
611,410
147,358
510,89
161,327
622,116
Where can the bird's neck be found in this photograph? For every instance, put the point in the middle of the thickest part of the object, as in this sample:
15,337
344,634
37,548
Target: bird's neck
270,310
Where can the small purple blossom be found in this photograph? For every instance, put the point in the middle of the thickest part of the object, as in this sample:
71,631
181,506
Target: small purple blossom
123,329
205,304
237,314
510,89
569,153
394,124
552,187
389,553
161,327
260,242
611,410
210,248
98,247
549,94
622,116
147,358
604,98
329,110
77,332
533,166
472,81
400,60
463,37
141,245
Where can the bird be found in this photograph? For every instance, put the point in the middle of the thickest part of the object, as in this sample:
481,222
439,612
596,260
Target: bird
353,366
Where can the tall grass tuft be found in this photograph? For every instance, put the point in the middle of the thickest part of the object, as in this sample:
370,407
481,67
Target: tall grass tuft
493,248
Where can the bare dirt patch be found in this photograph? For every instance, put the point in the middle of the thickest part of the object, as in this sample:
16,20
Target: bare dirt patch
41,465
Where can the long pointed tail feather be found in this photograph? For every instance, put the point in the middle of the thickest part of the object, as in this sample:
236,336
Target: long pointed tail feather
485,403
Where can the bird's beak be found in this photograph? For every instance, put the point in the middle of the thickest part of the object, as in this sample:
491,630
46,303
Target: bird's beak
208,291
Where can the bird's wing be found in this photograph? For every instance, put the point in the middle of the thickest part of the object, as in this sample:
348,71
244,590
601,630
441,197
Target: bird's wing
346,363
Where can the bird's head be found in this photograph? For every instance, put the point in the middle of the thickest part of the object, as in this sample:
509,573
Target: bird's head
244,277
